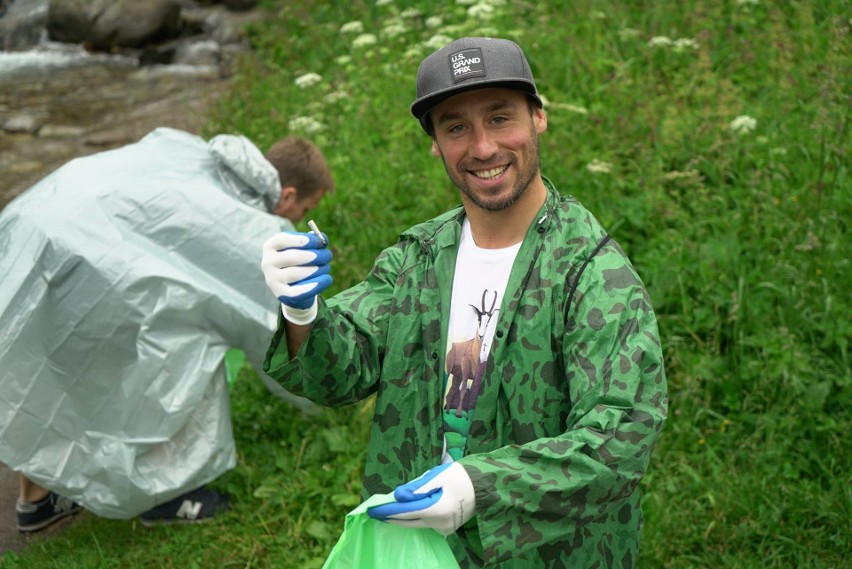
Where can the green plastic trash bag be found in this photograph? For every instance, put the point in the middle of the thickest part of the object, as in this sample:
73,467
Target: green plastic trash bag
370,544
235,359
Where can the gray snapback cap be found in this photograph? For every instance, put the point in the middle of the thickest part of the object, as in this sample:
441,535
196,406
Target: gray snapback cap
471,63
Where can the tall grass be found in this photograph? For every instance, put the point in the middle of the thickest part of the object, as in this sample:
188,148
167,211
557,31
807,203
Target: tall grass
737,226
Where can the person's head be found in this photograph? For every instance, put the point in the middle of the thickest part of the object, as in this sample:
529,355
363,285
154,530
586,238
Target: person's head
304,175
477,99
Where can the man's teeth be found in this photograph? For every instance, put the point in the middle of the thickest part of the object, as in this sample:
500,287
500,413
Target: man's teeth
492,173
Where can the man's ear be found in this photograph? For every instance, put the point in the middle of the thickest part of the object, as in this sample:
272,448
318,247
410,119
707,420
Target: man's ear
436,152
289,195
540,120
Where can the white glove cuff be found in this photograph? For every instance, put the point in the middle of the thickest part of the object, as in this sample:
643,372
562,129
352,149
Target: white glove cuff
300,316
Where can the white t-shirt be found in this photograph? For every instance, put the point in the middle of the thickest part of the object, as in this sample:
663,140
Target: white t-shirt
478,285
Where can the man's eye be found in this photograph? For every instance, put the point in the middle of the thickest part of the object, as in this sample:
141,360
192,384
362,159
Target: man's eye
455,129
499,120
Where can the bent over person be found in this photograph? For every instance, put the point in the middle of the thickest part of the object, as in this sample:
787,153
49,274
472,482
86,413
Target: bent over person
127,276
511,346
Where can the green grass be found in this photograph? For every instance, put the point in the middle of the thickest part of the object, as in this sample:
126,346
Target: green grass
741,239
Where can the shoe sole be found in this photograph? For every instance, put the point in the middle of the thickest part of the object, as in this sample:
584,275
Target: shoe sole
44,523
171,522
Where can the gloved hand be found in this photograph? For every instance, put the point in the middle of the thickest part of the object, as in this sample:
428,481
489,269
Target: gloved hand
296,269
442,499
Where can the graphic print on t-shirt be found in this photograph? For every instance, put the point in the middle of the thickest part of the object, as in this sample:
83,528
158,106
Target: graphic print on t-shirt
465,367
479,283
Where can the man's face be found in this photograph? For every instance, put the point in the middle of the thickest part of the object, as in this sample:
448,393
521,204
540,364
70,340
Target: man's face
488,140
293,208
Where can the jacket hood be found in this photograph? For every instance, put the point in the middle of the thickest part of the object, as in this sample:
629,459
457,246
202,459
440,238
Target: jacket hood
245,171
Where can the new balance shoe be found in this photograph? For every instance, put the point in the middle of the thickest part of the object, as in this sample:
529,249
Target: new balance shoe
33,516
193,507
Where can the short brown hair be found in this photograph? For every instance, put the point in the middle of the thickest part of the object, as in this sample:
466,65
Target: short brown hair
301,165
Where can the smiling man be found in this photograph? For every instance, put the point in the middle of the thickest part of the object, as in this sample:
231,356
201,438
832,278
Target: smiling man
512,347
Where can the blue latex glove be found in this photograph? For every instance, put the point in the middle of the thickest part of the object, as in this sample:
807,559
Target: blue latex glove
442,499
296,268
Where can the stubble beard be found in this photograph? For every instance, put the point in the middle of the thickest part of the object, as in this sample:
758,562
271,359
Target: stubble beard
522,183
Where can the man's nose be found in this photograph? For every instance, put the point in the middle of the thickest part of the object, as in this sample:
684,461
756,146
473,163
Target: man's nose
483,146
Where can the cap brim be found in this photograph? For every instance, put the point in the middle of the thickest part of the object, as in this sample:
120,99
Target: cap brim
421,107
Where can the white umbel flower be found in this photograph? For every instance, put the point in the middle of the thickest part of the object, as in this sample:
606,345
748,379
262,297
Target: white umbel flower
355,27
308,80
364,40
599,167
743,124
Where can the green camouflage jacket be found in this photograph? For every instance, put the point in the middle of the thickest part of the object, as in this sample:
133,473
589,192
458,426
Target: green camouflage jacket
571,404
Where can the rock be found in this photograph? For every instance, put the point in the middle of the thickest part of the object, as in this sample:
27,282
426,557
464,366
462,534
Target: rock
22,123
229,27
192,20
130,23
70,21
26,167
205,52
110,24
110,138
159,54
22,24
60,131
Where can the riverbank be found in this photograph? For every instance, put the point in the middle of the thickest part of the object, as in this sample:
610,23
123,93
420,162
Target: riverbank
85,109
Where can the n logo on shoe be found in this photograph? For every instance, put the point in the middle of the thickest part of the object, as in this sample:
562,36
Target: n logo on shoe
63,504
189,510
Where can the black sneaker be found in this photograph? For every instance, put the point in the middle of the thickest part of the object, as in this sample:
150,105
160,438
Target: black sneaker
33,516
193,507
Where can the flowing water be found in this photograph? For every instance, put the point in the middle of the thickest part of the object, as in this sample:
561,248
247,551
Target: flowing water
58,101
84,103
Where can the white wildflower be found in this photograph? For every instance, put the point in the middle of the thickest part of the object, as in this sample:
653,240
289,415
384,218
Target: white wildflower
336,96
481,11
308,80
684,179
364,40
683,44
411,13
434,22
383,2
628,34
466,2
743,124
355,27
394,28
599,167
679,175
305,124
660,41
343,60
598,15
496,3
437,42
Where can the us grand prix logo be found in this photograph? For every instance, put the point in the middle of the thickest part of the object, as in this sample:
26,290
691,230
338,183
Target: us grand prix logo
467,63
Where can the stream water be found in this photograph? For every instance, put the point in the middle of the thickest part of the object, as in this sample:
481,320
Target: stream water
58,101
